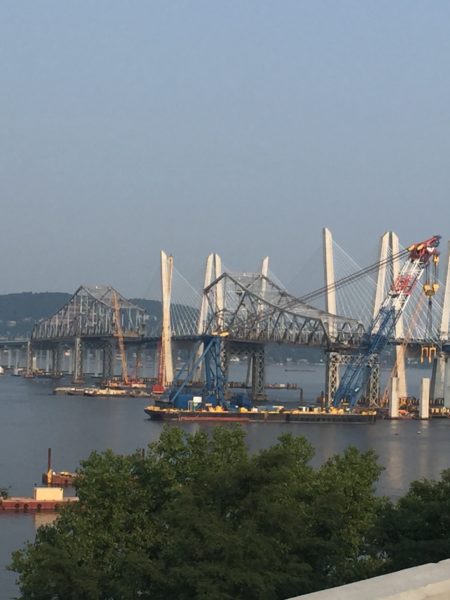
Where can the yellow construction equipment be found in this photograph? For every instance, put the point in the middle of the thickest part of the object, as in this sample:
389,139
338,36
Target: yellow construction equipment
428,352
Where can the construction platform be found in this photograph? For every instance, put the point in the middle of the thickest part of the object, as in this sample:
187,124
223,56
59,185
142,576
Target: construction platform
259,416
44,499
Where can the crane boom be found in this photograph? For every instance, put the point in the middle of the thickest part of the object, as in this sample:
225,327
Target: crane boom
358,370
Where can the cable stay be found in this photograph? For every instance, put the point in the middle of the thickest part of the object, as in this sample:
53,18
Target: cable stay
353,277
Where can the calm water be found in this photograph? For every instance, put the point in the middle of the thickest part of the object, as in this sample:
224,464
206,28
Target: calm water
33,419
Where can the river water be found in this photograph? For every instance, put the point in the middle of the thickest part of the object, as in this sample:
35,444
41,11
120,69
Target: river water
33,419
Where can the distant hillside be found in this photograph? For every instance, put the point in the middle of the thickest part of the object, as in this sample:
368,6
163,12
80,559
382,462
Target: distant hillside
153,307
19,312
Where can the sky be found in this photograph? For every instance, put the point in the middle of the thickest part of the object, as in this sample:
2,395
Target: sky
237,127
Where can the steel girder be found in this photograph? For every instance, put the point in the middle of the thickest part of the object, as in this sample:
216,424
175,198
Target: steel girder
90,313
251,307
334,360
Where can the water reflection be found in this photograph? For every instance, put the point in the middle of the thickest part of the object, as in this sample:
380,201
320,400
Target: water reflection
33,419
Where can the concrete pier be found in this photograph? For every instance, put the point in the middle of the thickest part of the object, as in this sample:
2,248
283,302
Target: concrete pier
447,383
424,401
394,399
437,379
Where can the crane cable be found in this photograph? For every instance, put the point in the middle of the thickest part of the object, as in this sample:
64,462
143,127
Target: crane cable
352,277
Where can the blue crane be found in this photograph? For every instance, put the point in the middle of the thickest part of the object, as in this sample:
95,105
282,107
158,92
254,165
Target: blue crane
357,372
215,378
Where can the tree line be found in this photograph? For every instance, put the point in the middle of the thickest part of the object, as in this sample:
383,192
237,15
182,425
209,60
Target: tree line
197,516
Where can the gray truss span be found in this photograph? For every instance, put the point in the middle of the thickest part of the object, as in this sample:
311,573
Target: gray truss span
90,313
251,307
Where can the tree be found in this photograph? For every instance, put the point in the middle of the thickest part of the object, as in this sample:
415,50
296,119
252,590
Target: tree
416,529
198,517
4,492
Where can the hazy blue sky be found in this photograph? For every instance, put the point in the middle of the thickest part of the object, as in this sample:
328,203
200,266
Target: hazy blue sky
241,127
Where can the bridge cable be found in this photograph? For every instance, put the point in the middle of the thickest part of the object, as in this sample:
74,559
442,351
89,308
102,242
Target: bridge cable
351,278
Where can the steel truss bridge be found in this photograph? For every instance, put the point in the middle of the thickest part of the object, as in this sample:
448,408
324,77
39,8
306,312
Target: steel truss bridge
251,308
87,321
253,311
248,311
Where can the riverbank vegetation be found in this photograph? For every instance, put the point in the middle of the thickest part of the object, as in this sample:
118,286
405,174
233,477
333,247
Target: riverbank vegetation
199,517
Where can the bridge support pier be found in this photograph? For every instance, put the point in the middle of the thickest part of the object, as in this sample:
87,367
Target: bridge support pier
87,360
16,358
225,362
29,372
447,383
48,360
138,363
332,376
437,379
78,376
9,358
334,359
424,401
98,362
56,360
258,373
108,364
248,378
394,399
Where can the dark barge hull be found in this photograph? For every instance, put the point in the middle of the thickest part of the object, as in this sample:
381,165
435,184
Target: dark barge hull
33,505
258,417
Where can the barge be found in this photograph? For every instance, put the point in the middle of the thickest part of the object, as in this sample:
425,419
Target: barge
44,499
275,415
131,392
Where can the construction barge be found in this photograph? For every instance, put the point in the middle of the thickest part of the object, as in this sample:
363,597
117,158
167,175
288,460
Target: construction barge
44,499
126,392
242,415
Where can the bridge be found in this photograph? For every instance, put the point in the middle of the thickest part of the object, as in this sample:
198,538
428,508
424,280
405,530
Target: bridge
254,310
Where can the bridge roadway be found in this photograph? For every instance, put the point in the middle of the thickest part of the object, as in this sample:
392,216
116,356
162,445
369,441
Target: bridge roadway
74,355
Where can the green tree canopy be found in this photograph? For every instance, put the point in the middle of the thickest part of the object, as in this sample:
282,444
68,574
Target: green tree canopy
198,517
416,529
